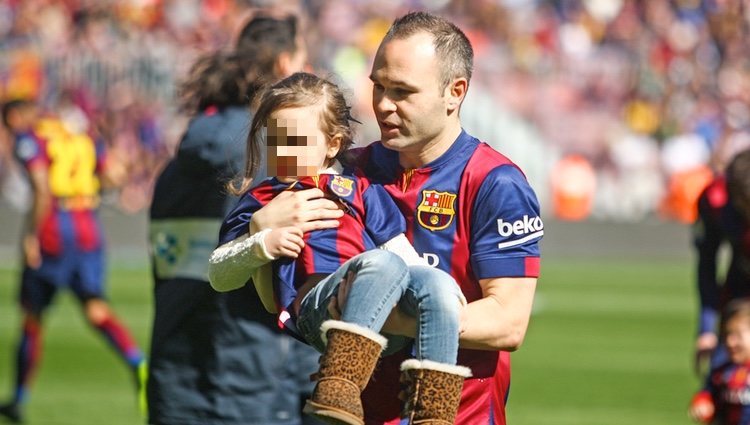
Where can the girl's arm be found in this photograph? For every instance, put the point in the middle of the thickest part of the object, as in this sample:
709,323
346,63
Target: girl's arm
231,265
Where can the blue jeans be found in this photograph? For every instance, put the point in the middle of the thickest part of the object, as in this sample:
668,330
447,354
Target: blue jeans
382,281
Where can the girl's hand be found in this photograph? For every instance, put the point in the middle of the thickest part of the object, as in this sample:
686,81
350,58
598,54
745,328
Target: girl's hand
284,242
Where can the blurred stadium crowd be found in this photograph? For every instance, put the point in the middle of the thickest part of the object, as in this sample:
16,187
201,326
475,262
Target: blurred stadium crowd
617,109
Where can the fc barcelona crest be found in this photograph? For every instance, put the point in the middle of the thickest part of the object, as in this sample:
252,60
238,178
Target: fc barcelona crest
342,186
436,210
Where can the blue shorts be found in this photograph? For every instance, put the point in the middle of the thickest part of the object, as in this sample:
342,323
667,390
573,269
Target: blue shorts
82,273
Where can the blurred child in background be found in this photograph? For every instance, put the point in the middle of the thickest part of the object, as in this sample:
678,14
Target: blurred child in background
725,398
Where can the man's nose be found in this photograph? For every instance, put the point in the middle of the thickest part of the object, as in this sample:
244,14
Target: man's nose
384,104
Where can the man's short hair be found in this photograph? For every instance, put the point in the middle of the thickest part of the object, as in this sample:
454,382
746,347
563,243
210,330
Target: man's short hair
452,47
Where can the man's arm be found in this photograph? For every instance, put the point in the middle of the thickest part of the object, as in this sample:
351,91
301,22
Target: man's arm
498,321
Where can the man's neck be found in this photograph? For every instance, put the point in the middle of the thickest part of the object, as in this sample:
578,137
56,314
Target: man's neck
431,150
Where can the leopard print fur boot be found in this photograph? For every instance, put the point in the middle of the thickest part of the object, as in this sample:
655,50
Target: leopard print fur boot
351,354
433,391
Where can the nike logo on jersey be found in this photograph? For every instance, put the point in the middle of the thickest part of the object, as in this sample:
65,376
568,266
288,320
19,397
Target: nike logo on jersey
529,228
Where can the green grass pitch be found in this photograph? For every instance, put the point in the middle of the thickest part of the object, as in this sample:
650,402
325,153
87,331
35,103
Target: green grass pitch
609,344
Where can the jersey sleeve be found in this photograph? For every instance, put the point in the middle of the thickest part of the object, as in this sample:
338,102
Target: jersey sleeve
383,219
506,226
30,152
237,222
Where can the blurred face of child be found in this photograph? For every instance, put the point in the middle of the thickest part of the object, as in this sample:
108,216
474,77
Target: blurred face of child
296,145
737,331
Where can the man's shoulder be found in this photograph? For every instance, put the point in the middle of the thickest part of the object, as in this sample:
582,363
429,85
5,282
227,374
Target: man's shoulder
488,165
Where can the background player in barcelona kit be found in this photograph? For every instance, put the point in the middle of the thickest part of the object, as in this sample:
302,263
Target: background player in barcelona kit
725,398
723,217
62,239
420,76
308,129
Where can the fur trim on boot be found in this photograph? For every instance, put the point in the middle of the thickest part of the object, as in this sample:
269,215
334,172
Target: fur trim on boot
433,391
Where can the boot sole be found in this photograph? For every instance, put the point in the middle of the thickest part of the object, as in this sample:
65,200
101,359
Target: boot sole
329,416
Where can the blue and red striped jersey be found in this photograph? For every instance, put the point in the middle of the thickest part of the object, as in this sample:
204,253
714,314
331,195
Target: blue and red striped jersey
73,163
728,387
471,213
371,219
719,222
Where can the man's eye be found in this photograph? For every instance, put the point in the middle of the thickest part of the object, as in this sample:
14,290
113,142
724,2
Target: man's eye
398,92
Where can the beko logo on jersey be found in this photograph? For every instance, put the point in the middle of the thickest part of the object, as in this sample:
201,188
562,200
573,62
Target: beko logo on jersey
519,227
531,227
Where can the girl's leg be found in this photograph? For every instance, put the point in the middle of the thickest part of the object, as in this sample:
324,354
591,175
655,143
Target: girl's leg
380,280
433,380
436,300
351,346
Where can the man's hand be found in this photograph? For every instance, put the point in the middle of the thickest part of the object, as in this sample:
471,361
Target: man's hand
704,348
284,242
31,251
306,209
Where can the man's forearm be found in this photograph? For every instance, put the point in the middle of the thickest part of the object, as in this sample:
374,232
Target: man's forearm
500,319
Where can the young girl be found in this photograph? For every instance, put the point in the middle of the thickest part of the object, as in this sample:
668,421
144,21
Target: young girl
725,398
308,131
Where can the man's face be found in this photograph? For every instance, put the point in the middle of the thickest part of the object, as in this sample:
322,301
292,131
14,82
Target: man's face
407,99
738,338
296,145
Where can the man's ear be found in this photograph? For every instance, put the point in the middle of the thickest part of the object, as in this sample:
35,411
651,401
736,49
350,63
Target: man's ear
456,91
334,146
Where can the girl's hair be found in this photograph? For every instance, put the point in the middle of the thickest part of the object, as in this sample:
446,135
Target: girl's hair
297,91
215,79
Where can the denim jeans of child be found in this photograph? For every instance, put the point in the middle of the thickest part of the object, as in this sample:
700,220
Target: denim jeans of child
382,280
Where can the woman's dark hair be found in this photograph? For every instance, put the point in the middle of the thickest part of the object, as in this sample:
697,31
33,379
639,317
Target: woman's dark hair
216,79
259,45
